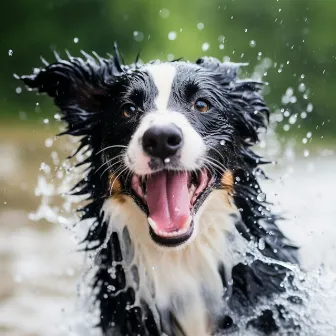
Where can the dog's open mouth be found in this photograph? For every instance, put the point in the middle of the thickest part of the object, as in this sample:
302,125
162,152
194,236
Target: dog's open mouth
170,197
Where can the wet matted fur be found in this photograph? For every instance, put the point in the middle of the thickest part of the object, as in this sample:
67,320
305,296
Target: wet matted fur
233,260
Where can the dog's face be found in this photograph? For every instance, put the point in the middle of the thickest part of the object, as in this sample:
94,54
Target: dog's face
167,116
165,133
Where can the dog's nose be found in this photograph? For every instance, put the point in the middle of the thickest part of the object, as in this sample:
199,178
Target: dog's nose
162,141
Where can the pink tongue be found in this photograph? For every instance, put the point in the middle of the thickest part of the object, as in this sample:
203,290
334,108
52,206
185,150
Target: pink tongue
168,200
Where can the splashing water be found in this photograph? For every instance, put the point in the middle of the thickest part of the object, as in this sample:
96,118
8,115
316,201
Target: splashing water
172,35
138,36
205,46
316,285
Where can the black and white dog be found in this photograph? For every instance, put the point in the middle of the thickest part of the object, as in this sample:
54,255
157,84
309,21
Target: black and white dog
184,244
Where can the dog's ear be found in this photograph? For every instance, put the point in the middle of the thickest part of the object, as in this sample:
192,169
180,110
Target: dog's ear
247,108
228,70
78,86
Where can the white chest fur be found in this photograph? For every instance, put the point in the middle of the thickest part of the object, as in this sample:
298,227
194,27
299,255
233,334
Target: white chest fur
184,280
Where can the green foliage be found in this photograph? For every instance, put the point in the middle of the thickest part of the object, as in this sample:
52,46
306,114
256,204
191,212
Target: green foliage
297,35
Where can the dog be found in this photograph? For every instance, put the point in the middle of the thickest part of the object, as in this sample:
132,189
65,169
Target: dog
185,242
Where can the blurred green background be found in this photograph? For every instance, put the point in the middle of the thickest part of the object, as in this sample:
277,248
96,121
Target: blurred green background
297,36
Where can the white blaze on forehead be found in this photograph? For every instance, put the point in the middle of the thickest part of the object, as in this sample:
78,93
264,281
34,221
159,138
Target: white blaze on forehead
163,76
193,149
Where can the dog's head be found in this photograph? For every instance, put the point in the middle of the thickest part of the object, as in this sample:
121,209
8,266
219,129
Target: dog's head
165,133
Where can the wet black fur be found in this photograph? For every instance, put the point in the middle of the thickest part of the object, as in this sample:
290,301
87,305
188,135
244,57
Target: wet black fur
89,93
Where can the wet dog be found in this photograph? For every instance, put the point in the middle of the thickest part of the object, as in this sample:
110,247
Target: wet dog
185,242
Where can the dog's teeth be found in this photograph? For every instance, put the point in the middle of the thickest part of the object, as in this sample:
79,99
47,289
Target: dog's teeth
191,191
177,233
139,191
152,224
165,234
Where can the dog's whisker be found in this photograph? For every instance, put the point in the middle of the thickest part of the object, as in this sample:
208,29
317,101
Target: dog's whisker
217,151
109,147
110,166
213,164
115,173
107,162
128,175
116,178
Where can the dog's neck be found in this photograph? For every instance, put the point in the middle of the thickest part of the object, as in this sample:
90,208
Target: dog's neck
185,281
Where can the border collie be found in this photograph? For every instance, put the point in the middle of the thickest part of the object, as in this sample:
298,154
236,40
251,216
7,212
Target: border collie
184,245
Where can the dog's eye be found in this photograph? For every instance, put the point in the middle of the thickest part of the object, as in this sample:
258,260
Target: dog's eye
128,110
201,105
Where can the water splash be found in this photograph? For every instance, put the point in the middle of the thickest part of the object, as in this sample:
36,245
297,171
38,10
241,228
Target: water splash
205,46
172,36
138,36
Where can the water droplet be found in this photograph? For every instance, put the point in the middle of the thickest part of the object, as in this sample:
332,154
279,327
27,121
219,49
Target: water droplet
293,99
46,121
221,38
286,127
304,140
309,135
303,115
170,57
138,36
57,116
10,52
164,13
205,46
76,40
167,160
310,107
42,166
306,153
261,197
252,43
221,46
48,142
261,244
200,25
18,90
222,142
302,87
289,91
172,35
292,119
